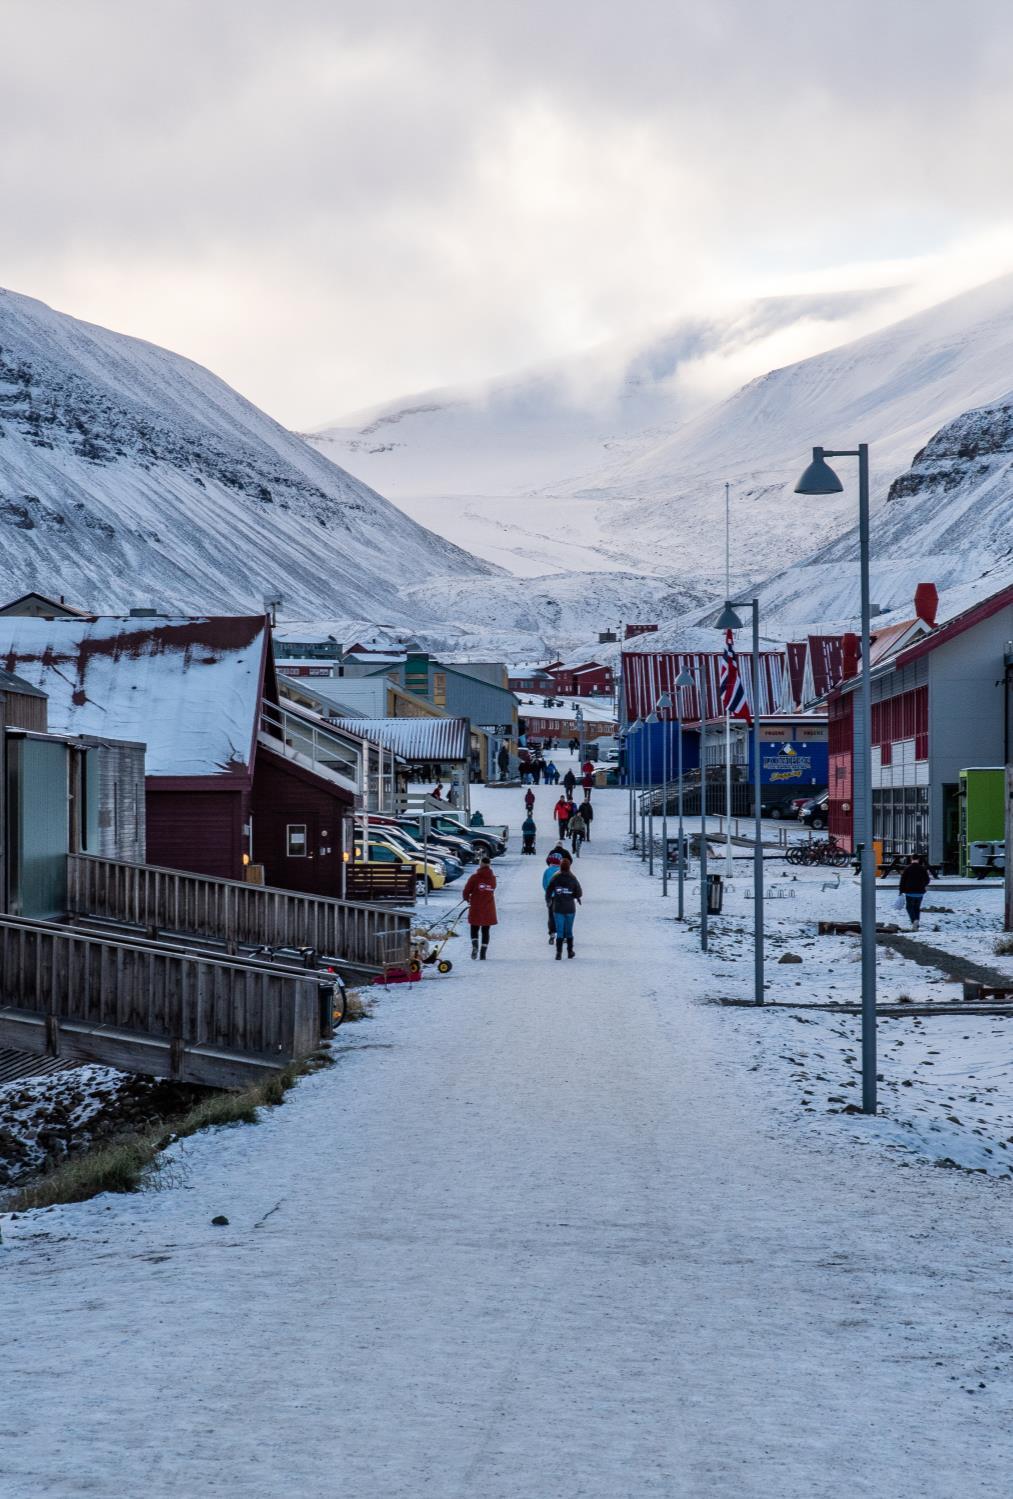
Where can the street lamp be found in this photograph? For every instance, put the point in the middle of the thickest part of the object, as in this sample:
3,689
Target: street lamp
651,718
729,620
630,743
820,479
684,679
665,704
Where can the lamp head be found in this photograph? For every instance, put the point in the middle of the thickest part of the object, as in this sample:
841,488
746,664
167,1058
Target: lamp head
728,619
665,702
685,679
652,717
819,478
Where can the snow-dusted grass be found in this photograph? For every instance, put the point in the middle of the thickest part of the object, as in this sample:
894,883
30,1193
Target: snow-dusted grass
946,1089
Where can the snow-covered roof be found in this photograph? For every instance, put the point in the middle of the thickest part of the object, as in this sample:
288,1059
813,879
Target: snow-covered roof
594,709
415,738
189,689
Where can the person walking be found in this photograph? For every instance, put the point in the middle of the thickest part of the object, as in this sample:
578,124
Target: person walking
528,832
529,801
587,812
587,781
915,879
480,893
553,860
563,895
587,769
569,782
503,761
574,746
537,768
551,774
561,812
576,830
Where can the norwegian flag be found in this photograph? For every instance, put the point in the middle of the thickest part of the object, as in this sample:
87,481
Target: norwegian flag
733,693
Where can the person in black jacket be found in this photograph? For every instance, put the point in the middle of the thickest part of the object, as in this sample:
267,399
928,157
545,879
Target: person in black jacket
914,881
562,896
569,781
587,812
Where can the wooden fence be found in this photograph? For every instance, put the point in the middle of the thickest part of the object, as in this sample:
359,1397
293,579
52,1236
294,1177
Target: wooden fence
132,1004
172,901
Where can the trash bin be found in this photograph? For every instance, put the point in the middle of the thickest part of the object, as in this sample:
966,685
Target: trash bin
715,894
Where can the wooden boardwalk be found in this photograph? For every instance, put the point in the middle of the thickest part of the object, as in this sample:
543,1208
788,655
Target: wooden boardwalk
149,1008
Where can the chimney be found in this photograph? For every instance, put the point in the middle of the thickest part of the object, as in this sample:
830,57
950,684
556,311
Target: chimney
849,655
927,603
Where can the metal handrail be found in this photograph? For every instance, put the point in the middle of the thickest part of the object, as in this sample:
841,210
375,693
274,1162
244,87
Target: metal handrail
325,750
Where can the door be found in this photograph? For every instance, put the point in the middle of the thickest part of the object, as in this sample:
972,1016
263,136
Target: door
952,810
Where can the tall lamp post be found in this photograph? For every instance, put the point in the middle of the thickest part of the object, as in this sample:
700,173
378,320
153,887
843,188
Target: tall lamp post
820,479
703,818
642,737
665,705
631,745
652,718
684,679
729,620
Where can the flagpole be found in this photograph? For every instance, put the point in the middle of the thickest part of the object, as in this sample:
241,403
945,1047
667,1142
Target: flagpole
728,717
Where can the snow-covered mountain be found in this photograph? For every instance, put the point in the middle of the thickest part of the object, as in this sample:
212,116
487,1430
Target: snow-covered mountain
132,476
482,463
948,520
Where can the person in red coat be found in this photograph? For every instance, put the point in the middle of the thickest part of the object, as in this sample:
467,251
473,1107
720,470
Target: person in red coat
480,893
561,812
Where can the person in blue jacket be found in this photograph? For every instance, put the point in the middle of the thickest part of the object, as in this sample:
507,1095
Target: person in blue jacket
553,860
563,894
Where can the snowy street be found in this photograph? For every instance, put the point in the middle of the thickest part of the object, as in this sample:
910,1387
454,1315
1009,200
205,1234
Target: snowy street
548,1230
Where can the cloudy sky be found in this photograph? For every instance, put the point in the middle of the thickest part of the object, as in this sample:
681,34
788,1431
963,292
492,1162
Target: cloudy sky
334,203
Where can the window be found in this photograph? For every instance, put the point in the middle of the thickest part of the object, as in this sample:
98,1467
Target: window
380,854
296,840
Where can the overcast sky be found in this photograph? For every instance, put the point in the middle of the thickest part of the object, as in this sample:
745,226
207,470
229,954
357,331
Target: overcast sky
334,203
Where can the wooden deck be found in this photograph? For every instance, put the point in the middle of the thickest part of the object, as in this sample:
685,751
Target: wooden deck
171,901
146,1008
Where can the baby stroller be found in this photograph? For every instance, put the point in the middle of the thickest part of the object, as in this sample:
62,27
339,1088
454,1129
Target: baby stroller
528,844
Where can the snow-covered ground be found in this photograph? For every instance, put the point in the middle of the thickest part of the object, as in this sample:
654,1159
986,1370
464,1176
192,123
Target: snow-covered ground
547,1229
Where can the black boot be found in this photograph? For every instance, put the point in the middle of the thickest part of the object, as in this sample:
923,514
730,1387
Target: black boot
474,947
559,948
569,948
483,952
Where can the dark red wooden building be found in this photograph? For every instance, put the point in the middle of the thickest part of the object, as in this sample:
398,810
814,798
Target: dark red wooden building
232,776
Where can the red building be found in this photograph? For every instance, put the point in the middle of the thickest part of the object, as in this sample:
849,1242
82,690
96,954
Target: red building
589,679
232,777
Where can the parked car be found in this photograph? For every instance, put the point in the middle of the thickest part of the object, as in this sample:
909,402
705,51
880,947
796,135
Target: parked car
816,811
462,848
426,874
483,840
452,868
777,801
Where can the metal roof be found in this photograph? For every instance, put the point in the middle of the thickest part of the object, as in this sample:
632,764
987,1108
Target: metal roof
415,738
189,689
10,683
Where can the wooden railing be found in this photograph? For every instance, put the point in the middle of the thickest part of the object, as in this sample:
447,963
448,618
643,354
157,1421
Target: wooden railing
132,1004
171,901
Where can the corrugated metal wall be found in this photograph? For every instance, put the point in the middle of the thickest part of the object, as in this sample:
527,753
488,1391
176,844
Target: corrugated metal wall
114,812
